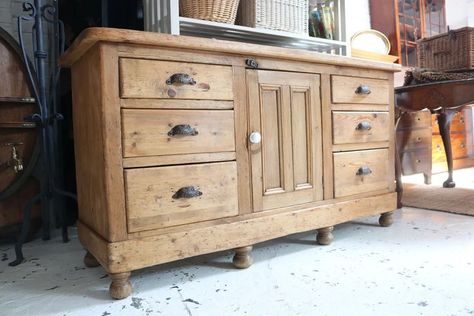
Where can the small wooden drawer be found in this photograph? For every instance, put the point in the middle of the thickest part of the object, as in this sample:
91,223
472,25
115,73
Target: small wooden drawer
361,171
416,161
458,123
412,120
169,132
458,147
141,78
359,90
169,196
360,127
413,139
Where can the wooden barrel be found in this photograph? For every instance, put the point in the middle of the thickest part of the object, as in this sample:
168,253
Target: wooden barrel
19,139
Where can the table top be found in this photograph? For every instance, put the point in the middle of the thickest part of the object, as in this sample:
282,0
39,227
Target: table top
436,95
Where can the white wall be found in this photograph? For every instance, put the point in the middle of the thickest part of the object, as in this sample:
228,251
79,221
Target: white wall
357,17
459,13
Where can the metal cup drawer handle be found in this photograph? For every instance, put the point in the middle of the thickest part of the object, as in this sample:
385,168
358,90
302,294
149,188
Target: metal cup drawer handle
186,193
363,126
363,171
181,79
363,89
183,130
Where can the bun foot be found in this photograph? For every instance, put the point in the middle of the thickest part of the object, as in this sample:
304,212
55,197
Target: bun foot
90,261
449,184
386,219
242,258
325,236
120,287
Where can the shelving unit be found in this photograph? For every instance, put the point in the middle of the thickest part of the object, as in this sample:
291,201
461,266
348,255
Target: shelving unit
163,17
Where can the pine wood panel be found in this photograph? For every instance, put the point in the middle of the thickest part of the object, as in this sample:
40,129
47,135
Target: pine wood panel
147,251
91,36
346,165
150,161
344,90
176,104
145,132
142,78
287,164
97,139
150,203
345,129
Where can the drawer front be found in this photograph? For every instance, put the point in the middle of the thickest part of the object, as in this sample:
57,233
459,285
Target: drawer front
416,161
458,147
458,123
413,139
168,132
176,195
360,127
412,120
361,171
165,79
359,90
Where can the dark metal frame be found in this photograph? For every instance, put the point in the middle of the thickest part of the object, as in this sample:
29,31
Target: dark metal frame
47,118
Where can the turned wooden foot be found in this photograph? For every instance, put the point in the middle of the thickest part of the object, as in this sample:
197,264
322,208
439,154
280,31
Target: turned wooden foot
325,236
90,261
120,287
386,219
242,258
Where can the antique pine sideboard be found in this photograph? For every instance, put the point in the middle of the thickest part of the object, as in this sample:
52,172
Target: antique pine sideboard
187,146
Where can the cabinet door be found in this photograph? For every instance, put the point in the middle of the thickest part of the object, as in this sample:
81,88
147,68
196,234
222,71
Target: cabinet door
285,108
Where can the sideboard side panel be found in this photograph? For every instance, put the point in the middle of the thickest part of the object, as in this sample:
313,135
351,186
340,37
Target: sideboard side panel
96,131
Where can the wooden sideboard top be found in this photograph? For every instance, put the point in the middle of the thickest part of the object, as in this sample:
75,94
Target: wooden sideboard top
91,36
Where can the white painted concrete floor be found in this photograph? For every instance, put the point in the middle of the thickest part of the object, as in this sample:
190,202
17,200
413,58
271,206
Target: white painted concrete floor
422,265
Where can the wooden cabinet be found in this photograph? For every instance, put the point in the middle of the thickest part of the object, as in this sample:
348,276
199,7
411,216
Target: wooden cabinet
406,21
184,149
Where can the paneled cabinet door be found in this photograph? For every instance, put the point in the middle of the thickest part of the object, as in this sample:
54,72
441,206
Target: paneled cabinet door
285,138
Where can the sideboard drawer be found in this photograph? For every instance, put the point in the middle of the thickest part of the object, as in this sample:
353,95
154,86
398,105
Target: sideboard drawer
176,195
360,127
361,171
141,78
168,132
359,90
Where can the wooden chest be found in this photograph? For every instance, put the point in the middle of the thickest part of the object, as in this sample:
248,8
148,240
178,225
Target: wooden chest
186,146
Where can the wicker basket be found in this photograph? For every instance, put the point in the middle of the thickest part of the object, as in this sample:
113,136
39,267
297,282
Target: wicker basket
281,15
452,51
223,11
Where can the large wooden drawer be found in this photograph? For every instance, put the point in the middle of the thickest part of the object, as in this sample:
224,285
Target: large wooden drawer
161,197
141,78
360,127
168,132
361,171
346,90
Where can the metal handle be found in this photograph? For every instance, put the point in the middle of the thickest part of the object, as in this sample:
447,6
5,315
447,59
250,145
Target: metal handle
187,192
255,138
363,126
252,63
183,130
363,89
181,79
363,171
